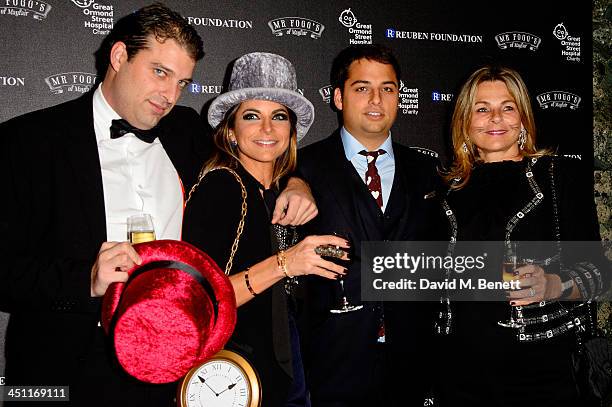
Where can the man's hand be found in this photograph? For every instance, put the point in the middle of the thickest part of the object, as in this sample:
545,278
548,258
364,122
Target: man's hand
114,259
295,205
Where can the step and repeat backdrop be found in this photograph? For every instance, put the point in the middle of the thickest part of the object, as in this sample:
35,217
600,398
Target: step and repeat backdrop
47,56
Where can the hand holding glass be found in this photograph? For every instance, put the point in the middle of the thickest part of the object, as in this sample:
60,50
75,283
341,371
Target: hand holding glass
510,264
140,228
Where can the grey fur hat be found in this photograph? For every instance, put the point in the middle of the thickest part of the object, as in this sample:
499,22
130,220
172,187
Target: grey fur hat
265,76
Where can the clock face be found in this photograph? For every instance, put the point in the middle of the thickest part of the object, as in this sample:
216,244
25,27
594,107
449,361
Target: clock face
221,382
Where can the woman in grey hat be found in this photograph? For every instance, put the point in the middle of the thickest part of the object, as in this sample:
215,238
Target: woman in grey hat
258,123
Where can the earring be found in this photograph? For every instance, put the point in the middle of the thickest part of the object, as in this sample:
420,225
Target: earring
464,147
522,138
233,143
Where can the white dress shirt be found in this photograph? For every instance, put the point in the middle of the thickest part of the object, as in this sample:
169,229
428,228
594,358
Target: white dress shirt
137,177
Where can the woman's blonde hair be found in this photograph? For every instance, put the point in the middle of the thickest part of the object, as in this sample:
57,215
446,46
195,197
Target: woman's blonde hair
226,155
464,161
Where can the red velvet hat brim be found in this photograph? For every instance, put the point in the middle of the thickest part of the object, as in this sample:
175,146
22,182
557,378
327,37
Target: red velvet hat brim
163,321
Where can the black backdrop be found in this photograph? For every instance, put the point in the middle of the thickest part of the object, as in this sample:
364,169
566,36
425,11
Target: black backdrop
46,55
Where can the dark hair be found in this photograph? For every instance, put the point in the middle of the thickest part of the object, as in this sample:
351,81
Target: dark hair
155,20
371,52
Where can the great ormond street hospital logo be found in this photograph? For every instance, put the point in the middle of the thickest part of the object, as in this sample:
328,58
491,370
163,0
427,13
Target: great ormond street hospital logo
83,3
347,18
572,51
22,8
362,33
297,26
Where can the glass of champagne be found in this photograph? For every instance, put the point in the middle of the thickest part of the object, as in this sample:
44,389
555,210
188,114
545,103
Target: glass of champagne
345,305
140,228
509,273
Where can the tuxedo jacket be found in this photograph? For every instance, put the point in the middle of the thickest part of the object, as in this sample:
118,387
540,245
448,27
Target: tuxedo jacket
343,361
52,223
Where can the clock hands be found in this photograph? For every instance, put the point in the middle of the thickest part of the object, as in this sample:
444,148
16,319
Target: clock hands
207,385
231,386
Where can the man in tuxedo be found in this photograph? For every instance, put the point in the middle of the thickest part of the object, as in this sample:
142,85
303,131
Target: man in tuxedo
71,175
368,188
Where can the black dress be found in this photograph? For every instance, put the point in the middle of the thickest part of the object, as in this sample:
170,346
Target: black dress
484,364
262,332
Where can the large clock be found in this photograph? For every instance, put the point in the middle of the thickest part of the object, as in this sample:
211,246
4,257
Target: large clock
225,380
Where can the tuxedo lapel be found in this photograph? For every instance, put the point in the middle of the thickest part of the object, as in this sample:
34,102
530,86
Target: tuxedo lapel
82,156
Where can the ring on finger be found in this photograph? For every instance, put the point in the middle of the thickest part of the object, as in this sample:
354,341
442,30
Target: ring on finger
532,292
329,250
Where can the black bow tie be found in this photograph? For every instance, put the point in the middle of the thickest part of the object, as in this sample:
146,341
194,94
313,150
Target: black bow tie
121,127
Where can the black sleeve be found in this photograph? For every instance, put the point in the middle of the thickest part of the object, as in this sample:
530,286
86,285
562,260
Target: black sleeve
582,255
212,215
32,276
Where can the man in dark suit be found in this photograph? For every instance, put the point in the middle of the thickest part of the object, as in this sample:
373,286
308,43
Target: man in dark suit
71,174
372,189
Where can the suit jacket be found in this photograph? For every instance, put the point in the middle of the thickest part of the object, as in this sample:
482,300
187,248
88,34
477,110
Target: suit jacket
343,362
52,223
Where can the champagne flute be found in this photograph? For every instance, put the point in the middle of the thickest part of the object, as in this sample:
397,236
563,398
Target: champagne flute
509,273
140,228
345,305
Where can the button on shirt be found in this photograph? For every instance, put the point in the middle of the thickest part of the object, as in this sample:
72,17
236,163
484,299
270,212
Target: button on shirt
385,163
137,177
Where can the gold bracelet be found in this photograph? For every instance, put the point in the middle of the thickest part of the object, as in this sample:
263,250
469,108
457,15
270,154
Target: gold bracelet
248,284
282,262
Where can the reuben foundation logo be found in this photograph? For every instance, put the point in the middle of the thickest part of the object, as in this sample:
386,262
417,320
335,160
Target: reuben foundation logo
297,26
220,23
362,33
408,99
571,45
558,99
79,82
516,39
24,8
198,88
431,36
438,96
326,93
11,81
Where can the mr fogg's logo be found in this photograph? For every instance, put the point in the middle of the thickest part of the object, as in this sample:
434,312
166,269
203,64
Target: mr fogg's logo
558,99
326,93
23,8
516,39
79,82
298,26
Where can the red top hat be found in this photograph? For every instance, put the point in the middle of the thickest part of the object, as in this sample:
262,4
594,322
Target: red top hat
177,309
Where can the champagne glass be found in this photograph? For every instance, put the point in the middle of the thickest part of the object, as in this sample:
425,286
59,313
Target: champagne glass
344,305
509,273
140,228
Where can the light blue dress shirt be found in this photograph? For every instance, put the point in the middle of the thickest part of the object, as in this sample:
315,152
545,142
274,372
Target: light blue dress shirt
385,164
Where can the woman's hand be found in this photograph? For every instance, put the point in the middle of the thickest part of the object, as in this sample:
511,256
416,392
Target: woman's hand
536,286
302,258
